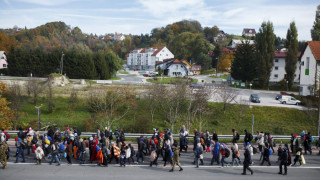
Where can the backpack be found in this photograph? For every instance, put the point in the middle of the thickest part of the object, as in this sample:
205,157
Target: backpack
133,152
7,136
61,147
227,153
22,145
201,141
311,139
170,152
270,152
237,136
250,137
254,150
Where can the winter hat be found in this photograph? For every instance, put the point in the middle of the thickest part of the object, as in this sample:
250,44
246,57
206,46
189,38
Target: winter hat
91,138
19,139
161,135
106,128
30,128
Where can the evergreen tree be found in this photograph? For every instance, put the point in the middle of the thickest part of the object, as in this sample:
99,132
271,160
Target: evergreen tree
315,31
291,58
265,41
244,66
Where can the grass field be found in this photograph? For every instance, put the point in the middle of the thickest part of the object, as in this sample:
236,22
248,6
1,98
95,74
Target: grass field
138,120
123,72
223,76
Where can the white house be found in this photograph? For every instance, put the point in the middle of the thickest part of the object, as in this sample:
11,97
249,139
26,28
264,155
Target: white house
278,71
118,37
249,32
146,58
3,60
174,67
234,42
310,68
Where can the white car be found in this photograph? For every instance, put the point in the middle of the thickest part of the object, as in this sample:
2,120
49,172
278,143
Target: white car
289,100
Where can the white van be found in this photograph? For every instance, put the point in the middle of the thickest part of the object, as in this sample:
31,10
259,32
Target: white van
285,99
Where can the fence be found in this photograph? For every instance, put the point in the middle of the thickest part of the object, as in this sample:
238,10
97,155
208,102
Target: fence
133,135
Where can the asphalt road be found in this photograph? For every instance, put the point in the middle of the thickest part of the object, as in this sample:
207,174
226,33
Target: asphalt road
29,170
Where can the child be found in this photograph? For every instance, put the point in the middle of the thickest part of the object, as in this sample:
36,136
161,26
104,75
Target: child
235,156
39,154
123,158
298,157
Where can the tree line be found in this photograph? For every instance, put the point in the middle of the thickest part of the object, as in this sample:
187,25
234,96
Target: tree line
79,62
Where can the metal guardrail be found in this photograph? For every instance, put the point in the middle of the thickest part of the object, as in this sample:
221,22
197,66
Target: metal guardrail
132,135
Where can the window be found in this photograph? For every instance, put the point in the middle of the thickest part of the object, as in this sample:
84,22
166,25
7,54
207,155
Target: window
276,60
276,76
276,68
4,65
307,66
177,67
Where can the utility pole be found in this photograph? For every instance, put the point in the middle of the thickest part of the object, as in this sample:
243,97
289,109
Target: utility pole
252,124
39,122
61,64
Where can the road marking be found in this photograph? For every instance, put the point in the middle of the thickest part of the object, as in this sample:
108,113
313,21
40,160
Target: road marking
187,166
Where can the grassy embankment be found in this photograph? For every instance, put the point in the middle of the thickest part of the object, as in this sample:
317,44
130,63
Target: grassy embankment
271,119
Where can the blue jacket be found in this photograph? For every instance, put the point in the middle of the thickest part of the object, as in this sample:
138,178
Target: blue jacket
216,148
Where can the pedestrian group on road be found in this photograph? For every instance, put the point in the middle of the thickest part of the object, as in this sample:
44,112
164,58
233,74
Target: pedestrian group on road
107,146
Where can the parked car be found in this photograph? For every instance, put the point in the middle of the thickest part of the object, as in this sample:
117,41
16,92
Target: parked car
147,75
278,97
254,98
289,100
136,69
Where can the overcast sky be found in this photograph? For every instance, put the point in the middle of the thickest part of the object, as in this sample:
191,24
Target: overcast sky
141,16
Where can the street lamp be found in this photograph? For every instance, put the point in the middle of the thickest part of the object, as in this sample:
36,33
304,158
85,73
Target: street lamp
287,86
39,123
61,64
250,96
250,86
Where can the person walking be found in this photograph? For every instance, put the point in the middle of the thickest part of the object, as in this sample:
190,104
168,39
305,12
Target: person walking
21,145
283,158
247,138
266,154
197,153
39,154
298,157
215,152
3,152
176,158
246,162
69,151
55,152
235,136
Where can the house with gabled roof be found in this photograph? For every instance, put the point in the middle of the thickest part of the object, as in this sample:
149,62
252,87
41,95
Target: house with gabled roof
249,32
146,58
310,69
278,71
174,67
3,60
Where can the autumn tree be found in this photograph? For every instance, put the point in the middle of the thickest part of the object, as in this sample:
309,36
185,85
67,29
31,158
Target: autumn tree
315,31
265,41
201,106
6,42
6,114
225,60
292,53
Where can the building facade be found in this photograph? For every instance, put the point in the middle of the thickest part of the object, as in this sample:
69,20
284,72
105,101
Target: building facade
278,71
310,69
174,68
146,58
3,60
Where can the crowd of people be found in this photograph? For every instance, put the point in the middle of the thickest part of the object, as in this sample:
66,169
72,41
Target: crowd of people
107,146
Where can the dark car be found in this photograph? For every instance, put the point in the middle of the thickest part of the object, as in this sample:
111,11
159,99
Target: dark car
254,98
278,97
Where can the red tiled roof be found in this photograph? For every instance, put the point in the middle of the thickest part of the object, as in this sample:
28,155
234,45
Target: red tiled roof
143,50
246,30
176,61
315,49
158,62
281,54
165,60
157,51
